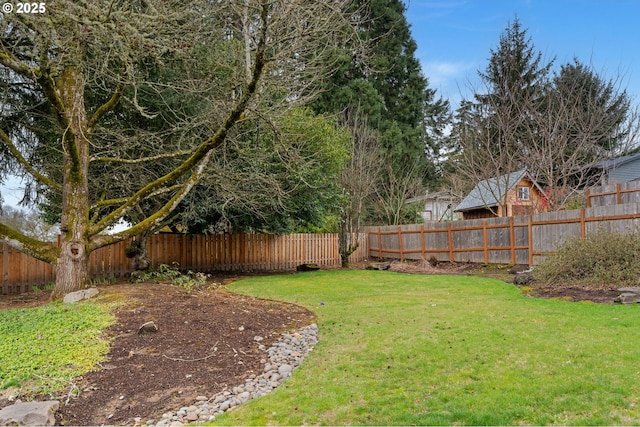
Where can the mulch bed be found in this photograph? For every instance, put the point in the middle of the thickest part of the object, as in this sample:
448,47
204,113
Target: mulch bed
204,343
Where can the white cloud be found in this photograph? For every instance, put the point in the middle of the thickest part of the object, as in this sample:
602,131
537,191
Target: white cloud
443,72
449,79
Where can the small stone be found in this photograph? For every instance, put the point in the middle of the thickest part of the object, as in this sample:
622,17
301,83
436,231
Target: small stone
285,370
201,398
191,417
148,327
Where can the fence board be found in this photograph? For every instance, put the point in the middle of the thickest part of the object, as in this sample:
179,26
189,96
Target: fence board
611,194
518,240
238,252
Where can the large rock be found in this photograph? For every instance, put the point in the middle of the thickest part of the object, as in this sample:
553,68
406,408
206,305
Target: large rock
628,296
523,278
30,414
308,267
518,268
80,295
379,266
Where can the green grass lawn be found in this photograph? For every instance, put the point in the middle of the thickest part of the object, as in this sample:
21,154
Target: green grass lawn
42,349
440,350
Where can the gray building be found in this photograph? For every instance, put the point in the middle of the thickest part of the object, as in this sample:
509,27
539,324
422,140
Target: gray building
622,169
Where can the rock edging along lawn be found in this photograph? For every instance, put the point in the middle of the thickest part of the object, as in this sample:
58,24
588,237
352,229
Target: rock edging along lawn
284,356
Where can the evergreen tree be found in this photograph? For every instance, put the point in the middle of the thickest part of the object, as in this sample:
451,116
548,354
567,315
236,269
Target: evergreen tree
597,104
515,79
387,87
556,125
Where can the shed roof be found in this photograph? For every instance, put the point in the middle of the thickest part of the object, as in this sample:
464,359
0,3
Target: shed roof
621,169
486,193
619,161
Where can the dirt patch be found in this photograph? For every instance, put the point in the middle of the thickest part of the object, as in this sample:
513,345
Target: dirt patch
204,343
597,293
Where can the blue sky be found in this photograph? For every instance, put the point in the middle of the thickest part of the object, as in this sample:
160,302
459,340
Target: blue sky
455,37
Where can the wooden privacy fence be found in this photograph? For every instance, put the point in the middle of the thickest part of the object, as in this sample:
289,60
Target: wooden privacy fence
613,194
513,240
221,252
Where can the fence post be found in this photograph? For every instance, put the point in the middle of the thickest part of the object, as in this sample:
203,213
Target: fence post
512,240
587,194
400,243
530,232
583,228
485,241
450,237
618,194
422,241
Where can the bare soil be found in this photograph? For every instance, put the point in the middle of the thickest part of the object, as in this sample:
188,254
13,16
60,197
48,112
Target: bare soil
204,343
597,293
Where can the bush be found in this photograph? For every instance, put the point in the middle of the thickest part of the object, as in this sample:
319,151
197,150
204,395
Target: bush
602,258
171,274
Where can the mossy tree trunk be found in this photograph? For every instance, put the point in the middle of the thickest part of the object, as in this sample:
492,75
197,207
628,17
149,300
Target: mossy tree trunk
72,268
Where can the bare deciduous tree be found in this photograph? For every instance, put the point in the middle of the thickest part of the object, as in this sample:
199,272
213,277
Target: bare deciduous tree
359,180
554,126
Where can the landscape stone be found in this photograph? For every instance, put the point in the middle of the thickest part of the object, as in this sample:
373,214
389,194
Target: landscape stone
30,414
628,296
285,370
148,327
379,266
518,268
308,267
523,279
284,356
80,295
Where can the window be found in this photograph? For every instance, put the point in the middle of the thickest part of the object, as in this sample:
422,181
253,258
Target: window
523,193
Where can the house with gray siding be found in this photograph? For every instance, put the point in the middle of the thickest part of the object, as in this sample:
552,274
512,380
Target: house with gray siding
619,170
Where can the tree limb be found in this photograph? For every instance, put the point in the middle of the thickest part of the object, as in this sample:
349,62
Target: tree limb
105,108
141,159
20,158
200,156
44,251
111,202
19,67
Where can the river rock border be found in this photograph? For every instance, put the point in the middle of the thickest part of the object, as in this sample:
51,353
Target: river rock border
284,356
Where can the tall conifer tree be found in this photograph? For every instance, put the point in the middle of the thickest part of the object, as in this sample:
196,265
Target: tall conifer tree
389,89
